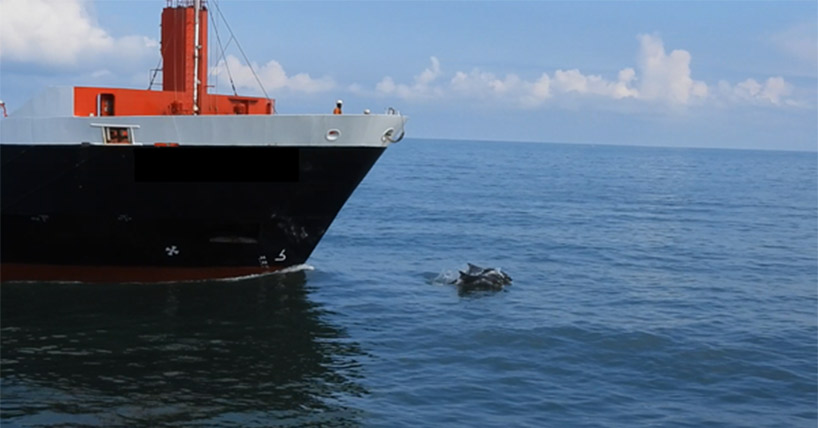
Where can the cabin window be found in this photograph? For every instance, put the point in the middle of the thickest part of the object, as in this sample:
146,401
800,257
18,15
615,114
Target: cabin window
241,107
120,133
105,105
117,135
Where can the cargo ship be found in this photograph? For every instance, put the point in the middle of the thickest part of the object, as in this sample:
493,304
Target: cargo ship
129,185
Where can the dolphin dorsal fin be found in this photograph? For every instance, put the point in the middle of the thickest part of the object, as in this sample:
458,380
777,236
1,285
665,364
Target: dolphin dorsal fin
474,269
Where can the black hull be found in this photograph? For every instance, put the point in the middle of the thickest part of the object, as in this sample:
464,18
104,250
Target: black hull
143,213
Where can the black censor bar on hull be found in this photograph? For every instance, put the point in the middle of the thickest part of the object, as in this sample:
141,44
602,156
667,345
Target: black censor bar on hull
216,164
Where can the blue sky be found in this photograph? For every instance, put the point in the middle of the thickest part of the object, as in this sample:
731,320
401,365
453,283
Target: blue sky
736,74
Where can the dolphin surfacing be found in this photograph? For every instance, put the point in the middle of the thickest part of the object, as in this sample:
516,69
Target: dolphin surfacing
479,278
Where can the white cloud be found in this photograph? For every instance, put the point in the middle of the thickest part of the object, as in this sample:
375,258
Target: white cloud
482,83
666,77
659,78
573,81
775,91
62,33
541,89
430,74
272,76
423,87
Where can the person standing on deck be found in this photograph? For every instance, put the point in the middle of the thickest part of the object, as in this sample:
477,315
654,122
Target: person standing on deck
338,107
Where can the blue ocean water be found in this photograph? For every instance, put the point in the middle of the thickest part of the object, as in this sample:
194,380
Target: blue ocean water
652,287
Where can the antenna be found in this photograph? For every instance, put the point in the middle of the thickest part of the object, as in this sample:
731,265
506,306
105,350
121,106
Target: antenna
197,6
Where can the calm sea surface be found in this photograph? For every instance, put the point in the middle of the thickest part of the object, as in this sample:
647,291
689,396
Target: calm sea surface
658,287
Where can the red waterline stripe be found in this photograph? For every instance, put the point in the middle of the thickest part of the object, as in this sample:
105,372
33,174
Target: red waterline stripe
31,272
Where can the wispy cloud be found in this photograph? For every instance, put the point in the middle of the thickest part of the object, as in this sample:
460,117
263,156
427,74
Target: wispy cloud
63,34
799,41
659,77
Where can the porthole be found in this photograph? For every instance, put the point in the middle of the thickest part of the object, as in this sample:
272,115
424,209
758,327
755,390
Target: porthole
333,134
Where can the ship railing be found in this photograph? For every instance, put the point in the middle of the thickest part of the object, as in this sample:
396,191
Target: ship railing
184,3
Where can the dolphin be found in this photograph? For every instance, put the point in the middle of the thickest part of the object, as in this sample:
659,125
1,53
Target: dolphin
479,278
